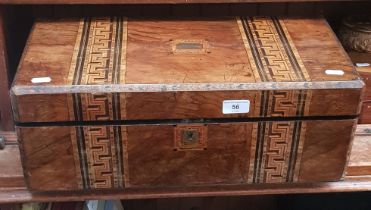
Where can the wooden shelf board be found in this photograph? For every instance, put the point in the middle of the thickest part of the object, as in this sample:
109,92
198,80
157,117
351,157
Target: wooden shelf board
158,1
358,178
351,184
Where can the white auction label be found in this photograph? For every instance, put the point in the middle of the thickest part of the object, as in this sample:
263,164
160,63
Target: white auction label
236,106
334,72
41,80
362,64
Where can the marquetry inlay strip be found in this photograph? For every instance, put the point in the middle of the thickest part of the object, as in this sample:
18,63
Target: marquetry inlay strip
100,52
98,153
272,54
276,147
99,58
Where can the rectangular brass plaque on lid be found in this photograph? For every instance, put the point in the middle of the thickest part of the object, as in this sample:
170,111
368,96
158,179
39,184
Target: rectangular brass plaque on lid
189,46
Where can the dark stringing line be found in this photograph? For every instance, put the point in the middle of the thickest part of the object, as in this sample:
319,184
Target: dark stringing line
296,136
119,151
116,68
83,158
82,52
261,133
81,140
288,49
260,136
116,100
118,51
254,49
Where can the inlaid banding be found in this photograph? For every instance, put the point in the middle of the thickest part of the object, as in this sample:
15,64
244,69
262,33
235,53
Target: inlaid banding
276,147
99,59
272,54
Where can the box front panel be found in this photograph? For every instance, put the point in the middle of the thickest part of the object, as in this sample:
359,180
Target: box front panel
116,157
184,105
157,155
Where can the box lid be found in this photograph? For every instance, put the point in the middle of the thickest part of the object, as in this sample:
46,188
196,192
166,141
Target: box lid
118,68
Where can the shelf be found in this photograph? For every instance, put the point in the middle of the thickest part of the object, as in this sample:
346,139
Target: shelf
157,1
358,178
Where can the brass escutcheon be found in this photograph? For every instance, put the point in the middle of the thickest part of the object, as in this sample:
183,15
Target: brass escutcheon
190,136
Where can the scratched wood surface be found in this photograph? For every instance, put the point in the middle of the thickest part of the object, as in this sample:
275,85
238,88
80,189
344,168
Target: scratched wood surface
357,179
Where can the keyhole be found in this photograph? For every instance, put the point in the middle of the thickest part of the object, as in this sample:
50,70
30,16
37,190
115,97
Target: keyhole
189,138
190,135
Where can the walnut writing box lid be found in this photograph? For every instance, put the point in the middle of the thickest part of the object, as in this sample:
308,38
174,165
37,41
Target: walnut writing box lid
100,69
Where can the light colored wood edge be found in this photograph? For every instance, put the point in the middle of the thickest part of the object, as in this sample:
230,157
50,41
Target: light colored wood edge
115,88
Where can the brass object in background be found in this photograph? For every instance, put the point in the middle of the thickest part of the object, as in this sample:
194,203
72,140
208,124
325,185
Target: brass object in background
355,33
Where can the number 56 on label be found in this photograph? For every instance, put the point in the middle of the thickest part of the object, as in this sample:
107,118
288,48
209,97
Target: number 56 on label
236,106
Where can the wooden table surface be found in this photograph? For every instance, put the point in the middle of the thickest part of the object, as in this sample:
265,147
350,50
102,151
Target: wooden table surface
358,178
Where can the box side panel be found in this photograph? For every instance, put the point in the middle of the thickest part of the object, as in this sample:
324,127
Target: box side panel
325,150
47,158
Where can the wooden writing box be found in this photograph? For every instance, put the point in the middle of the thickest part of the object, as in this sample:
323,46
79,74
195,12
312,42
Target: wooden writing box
114,103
